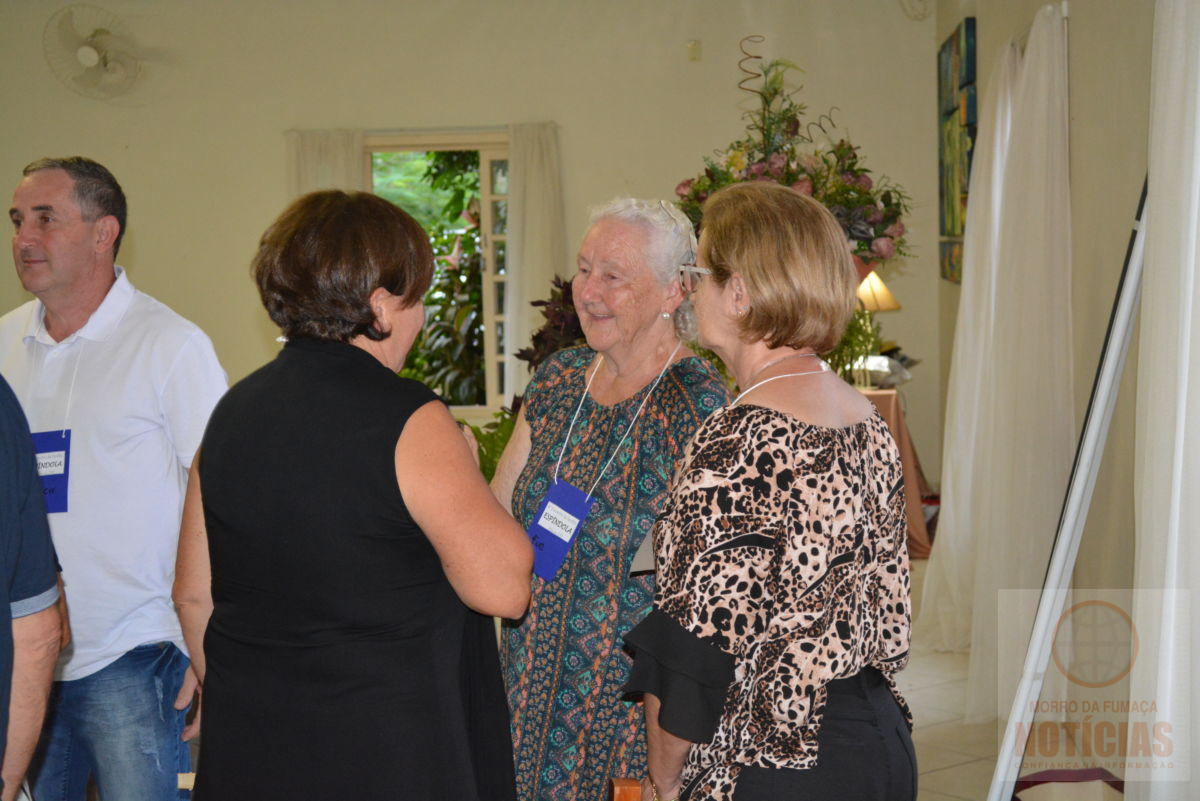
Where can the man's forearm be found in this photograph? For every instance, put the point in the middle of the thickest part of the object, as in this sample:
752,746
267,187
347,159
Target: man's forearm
35,652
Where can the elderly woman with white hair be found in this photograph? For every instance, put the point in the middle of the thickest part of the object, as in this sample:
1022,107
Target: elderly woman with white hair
586,471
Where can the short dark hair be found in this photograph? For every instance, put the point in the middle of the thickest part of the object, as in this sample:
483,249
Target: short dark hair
96,190
318,264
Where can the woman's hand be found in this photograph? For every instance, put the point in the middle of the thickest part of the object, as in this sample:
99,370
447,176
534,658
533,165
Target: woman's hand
512,462
668,793
665,756
472,443
485,554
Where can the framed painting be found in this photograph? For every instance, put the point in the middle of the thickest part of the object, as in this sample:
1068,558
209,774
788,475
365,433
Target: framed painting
957,117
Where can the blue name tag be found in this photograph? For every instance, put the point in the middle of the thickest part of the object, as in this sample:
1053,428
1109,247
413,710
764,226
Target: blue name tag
53,450
556,525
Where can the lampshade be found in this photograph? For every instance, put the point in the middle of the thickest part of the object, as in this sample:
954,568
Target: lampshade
874,294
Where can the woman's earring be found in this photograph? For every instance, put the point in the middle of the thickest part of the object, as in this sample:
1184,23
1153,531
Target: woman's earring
666,315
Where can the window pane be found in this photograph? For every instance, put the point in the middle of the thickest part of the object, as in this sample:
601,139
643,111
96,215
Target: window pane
500,379
499,339
500,177
499,216
501,258
400,178
499,297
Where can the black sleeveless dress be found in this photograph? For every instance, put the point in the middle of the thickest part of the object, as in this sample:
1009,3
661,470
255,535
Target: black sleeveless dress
340,662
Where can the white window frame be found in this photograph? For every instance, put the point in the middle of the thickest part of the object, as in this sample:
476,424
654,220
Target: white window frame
492,145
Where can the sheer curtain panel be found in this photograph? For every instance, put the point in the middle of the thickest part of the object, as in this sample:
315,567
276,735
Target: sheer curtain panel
944,623
1021,446
1168,417
334,159
536,237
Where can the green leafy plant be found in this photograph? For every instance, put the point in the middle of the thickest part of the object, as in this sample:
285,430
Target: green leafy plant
455,172
561,329
861,339
448,353
492,436
441,189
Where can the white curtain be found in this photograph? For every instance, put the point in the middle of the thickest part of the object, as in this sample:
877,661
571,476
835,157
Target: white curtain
944,623
1026,446
536,237
325,160
1010,420
1168,412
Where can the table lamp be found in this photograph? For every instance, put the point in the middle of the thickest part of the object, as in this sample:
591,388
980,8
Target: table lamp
874,295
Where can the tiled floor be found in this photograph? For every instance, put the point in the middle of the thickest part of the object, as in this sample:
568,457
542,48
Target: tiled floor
955,760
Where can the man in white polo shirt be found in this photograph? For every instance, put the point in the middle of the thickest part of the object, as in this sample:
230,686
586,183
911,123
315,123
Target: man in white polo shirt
117,389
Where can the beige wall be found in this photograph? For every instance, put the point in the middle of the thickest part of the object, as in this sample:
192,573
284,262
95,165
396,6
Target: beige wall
1109,63
203,163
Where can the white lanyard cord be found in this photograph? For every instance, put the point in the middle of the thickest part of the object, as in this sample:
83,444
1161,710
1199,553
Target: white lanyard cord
71,391
745,392
625,436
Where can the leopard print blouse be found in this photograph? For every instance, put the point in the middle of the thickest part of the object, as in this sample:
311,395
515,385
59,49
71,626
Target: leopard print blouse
784,545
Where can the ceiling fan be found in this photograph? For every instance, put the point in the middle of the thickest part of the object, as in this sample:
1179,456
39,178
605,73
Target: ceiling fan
90,50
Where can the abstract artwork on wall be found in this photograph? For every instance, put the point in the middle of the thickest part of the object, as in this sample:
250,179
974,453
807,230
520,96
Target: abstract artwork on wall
956,137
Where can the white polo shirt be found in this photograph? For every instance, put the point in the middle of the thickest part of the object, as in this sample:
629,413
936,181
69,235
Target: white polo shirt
134,387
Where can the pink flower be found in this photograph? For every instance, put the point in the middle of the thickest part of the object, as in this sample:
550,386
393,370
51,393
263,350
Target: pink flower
875,216
864,181
884,247
776,164
756,169
895,230
804,186
684,187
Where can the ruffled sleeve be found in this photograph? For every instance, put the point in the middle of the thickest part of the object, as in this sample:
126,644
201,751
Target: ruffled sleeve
689,675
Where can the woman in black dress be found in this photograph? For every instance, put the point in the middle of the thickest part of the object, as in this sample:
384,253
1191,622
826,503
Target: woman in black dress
336,571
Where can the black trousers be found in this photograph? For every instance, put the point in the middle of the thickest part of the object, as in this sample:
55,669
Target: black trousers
865,752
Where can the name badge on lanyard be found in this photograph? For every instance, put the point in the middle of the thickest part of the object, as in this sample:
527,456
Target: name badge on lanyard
556,525
53,449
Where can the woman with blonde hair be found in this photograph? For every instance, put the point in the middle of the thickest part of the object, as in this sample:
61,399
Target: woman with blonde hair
782,609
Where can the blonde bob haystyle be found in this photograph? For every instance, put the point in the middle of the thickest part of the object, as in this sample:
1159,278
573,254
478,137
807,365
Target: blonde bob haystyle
793,258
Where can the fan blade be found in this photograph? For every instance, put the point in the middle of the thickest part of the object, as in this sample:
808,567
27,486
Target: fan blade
68,38
120,69
90,78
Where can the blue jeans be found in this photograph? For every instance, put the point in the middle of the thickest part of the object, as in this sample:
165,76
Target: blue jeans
119,725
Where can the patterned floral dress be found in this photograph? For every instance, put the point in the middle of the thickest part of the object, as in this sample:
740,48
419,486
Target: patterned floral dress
564,664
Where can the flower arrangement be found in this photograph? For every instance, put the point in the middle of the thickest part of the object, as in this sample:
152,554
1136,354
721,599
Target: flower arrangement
781,149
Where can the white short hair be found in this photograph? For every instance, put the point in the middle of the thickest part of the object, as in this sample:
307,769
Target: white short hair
670,245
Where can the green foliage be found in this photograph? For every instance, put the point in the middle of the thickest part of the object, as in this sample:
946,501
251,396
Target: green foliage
861,339
456,174
439,189
398,177
491,438
448,353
